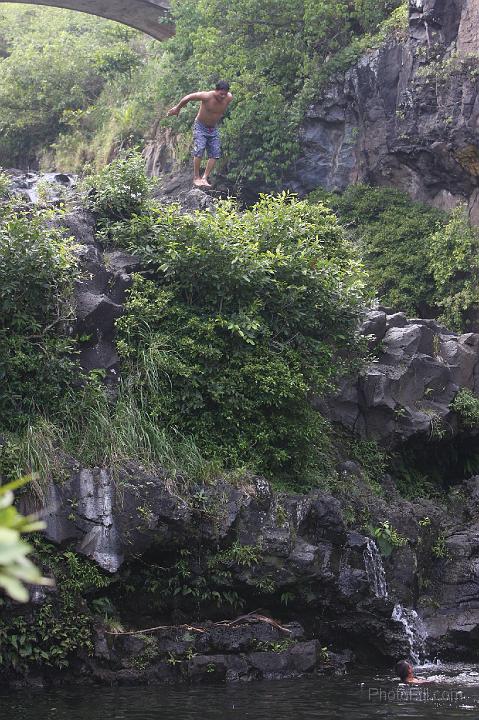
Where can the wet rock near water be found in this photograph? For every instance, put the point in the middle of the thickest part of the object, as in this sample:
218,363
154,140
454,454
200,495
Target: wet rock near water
290,556
51,188
235,651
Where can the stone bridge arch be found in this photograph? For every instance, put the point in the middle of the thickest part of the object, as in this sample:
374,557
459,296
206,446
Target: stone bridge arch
150,16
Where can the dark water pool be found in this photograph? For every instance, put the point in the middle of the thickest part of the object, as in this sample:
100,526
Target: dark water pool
452,693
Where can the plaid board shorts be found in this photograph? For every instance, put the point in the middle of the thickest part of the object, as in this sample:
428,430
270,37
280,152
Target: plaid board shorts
206,138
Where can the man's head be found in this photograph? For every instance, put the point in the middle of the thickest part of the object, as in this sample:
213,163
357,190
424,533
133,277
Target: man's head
403,669
222,88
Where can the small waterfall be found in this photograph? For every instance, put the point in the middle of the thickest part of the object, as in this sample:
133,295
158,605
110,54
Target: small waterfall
375,569
414,630
27,185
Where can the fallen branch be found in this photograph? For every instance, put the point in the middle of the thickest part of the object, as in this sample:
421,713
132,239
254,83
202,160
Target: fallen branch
222,623
254,616
154,629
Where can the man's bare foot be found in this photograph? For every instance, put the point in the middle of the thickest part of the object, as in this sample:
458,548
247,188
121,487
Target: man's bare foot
198,182
206,182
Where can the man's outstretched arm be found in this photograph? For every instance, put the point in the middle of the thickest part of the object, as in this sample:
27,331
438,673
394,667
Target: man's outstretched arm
184,101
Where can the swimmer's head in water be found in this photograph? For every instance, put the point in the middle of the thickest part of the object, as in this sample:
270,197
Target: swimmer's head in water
403,669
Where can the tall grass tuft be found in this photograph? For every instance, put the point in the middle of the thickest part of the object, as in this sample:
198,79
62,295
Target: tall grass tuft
94,431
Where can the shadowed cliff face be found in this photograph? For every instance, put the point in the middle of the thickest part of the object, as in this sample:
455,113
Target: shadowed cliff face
406,115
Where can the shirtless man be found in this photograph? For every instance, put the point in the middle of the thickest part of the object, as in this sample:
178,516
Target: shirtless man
205,132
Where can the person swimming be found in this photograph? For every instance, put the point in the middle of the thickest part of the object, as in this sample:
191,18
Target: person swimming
406,673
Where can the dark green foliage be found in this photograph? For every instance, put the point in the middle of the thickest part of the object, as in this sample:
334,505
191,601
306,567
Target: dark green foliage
370,456
454,262
430,469
413,482
248,315
200,580
120,190
393,235
50,634
37,271
466,405
387,538
420,260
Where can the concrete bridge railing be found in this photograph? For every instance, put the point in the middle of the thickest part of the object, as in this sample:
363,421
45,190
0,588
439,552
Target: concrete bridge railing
150,16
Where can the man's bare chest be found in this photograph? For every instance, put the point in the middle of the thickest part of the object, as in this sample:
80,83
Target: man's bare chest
214,107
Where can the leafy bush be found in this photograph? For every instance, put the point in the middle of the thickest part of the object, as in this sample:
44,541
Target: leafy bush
454,263
16,568
393,234
4,185
119,190
387,538
419,259
37,272
440,550
466,405
248,314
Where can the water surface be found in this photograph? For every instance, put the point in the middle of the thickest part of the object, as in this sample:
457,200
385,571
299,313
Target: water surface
452,693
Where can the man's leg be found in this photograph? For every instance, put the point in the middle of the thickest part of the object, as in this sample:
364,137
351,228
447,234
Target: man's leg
209,168
196,171
214,152
199,145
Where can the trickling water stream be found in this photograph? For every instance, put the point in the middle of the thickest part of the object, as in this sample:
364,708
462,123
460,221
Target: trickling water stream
31,186
414,629
375,569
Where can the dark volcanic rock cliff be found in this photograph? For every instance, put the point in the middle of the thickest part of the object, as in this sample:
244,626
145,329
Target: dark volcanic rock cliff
408,390
406,115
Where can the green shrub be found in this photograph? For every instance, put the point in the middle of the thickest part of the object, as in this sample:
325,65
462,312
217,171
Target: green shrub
392,234
466,405
419,259
368,454
440,550
453,253
248,315
387,538
37,272
4,185
16,569
119,190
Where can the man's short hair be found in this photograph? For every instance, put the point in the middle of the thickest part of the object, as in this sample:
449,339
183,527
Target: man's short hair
222,85
402,669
